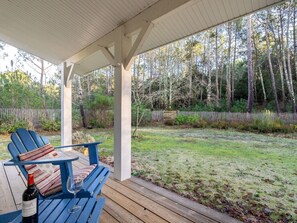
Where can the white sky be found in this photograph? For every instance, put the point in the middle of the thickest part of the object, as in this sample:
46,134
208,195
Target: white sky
5,62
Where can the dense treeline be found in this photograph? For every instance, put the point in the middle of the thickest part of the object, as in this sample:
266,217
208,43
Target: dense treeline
19,90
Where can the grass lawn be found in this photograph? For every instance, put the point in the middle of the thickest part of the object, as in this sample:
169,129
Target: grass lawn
251,177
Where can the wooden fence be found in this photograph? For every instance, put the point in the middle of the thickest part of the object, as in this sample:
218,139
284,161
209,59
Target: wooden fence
31,115
34,115
228,116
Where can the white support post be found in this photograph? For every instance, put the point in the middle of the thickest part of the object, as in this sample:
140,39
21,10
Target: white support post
66,107
122,113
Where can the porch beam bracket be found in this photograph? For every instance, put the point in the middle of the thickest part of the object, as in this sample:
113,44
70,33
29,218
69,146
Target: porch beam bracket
142,36
68,73
108,55
152,14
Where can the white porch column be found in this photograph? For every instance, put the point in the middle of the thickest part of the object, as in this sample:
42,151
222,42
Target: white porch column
66,108
122,123
122,111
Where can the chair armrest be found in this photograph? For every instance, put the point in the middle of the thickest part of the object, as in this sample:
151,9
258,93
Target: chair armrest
56,161
92,149
64,163
82,144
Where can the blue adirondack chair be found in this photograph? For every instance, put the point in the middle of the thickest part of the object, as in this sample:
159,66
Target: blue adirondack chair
26,140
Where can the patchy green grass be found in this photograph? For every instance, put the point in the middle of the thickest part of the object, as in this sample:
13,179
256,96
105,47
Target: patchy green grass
251,177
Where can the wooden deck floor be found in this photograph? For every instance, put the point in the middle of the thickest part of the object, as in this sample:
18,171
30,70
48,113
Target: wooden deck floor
132,200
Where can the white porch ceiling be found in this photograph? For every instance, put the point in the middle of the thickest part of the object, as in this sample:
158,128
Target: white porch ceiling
55,30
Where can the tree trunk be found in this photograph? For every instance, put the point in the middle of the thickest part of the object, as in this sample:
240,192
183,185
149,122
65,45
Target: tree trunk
81,105
217,71
270,65
292,94
42,74
233,66
228,72
250,66
88,86
107,84
151,81
208,72
281,73
191,72
294,37
263,87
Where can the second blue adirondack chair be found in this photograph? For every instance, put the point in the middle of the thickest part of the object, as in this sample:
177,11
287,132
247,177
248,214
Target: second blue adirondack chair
24,141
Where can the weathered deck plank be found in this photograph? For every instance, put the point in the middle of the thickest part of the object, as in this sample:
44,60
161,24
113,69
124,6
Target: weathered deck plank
16,184
107,218
132,200
7,202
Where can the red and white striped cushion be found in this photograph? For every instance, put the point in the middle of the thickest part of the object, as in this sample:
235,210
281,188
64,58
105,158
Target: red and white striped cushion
47,176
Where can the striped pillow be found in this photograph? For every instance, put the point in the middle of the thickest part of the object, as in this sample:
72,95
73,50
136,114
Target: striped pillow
47,176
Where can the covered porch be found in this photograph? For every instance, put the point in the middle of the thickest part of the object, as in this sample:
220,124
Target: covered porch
88,35
82,36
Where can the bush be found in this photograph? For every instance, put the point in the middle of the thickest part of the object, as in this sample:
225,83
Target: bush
265,125
79,137
143,113
201,106
9,124
220,125
100,111
76,118
50,125
201,124
186,119
171,122
239,106
103,119
99,102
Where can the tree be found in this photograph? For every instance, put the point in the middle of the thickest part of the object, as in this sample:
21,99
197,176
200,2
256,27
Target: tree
228,72
250,65
270,64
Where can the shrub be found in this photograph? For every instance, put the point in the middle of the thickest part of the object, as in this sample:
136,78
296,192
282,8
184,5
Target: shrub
239,106
99,102
103,119
76,118
9,124
100,107
201,124
220,125
201,106
170,122
265,125
186,119
143,114
50,125
79,137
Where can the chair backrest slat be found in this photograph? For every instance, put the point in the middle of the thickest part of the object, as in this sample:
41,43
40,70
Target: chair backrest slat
18,143
13,151
37,139
45,140
15,155
26,139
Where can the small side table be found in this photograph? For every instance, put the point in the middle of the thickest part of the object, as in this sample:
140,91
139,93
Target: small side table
56,210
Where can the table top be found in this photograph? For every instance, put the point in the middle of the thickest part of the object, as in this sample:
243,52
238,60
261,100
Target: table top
56,210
